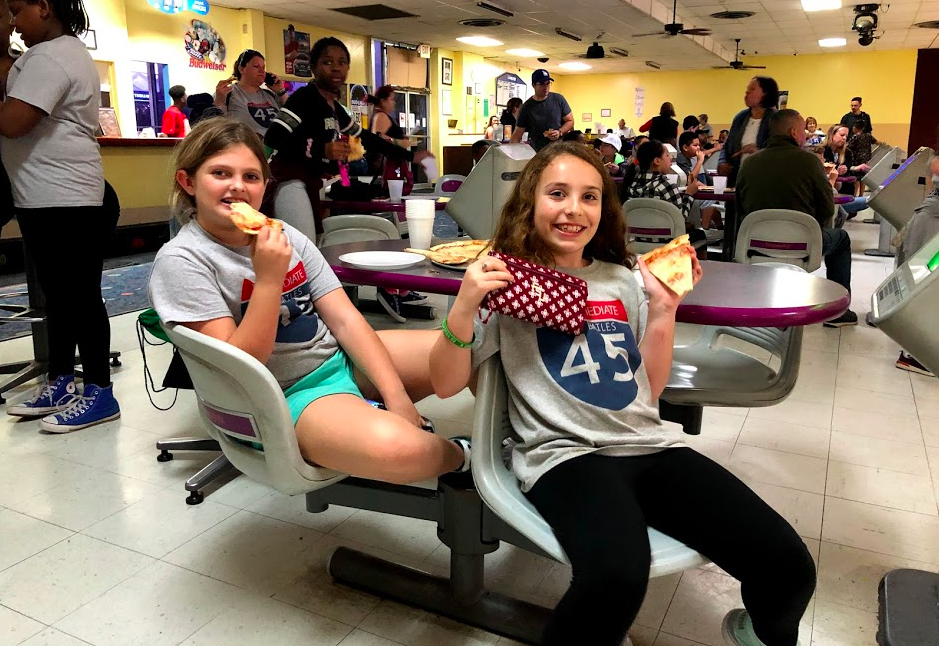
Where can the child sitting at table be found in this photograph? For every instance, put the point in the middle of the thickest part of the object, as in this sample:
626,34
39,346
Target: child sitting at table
594,457
273,296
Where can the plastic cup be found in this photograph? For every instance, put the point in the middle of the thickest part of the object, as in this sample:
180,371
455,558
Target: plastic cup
720,184
430,169
395,189
420,216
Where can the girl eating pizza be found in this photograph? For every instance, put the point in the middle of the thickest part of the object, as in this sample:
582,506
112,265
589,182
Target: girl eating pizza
594,457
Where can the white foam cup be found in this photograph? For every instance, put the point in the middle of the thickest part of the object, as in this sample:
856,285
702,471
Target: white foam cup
395,189
720,184
420,217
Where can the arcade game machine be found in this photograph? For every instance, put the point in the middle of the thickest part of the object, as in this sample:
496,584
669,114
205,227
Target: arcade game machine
477,204
905,307
897,196
885,160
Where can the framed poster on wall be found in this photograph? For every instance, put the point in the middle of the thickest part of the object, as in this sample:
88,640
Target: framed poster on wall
446,75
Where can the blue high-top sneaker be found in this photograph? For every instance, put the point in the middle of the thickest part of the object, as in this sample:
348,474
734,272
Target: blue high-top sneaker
49,398
95,406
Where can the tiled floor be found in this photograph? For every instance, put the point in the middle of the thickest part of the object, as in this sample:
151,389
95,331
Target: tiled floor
98,547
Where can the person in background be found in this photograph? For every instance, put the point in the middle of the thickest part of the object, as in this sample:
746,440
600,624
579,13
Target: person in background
813,135
251,99
921,228
174,119
722,137
690,159
861,144
202,106
705,143
750,128
494,129
510,114
785,176
655,163
855,114
625,131
576,136
704,126
663,127
838,153
66,211
610,153
479,148
690,123
546,116
7,58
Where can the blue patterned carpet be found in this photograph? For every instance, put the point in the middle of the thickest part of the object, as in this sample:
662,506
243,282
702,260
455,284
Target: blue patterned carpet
124,290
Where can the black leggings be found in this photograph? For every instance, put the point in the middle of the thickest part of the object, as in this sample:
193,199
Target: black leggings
67,246
600,507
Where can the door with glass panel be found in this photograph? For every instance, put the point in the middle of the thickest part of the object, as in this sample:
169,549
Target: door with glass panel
413,115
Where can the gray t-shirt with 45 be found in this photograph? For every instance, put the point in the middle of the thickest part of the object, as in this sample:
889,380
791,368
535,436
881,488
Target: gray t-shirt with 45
256,109
196,278
571,396
537,116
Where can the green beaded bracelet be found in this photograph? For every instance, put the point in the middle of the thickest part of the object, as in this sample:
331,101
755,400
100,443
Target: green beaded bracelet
455,341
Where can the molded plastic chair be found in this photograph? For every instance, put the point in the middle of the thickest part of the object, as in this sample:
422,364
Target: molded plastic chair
780,235
652,222
500,490
338,229
242,406
448,185
709,373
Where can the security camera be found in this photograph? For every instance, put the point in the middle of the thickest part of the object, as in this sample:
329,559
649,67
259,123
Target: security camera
865,23
543,59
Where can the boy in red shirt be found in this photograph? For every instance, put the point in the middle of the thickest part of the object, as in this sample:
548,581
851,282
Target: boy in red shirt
174,121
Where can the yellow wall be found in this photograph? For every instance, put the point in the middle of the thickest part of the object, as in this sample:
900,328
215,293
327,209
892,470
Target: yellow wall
274,44
819,85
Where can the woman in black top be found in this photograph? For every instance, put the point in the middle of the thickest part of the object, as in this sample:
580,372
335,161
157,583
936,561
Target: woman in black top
309,138
510,114
663,127
383,123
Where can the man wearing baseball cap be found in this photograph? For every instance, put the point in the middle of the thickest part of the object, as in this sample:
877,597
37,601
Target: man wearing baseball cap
546,116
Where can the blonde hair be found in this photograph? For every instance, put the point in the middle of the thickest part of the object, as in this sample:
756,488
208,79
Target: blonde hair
206,140
515,233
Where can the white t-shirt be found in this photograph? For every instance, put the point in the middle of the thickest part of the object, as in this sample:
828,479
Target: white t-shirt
750,134
57,163
627,132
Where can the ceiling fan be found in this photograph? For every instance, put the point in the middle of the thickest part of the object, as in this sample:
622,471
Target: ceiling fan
675,28
738,64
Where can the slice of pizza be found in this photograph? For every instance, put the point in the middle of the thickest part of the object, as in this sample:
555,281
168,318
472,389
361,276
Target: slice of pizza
251,221
671,264
454,253
358,150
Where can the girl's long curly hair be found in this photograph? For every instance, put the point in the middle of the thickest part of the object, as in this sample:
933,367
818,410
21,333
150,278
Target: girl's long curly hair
515,233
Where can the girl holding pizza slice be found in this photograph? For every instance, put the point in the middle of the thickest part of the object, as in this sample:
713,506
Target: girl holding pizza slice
270,293
594,457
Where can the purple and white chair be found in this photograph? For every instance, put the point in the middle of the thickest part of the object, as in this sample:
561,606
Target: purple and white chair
780,235
652,223
448,185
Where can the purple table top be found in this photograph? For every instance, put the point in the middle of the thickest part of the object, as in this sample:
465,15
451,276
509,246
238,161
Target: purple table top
848,179
376,206
728,196
729,293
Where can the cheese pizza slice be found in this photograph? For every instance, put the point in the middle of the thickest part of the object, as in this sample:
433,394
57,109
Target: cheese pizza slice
671,264
251,221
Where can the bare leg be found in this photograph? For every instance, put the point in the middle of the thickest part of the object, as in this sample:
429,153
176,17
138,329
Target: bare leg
344,433
710,216
410,355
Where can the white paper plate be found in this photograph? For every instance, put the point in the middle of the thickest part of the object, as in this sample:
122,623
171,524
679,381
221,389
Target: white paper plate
381,259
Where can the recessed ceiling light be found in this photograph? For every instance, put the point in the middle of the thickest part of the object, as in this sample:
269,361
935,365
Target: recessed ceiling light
479,41
821,5
525,53
574,67
833,42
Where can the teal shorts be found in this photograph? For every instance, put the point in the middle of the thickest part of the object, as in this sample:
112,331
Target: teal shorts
334,377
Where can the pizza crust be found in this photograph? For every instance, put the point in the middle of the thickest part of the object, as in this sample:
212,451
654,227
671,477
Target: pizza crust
250,221
454,253
671,264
